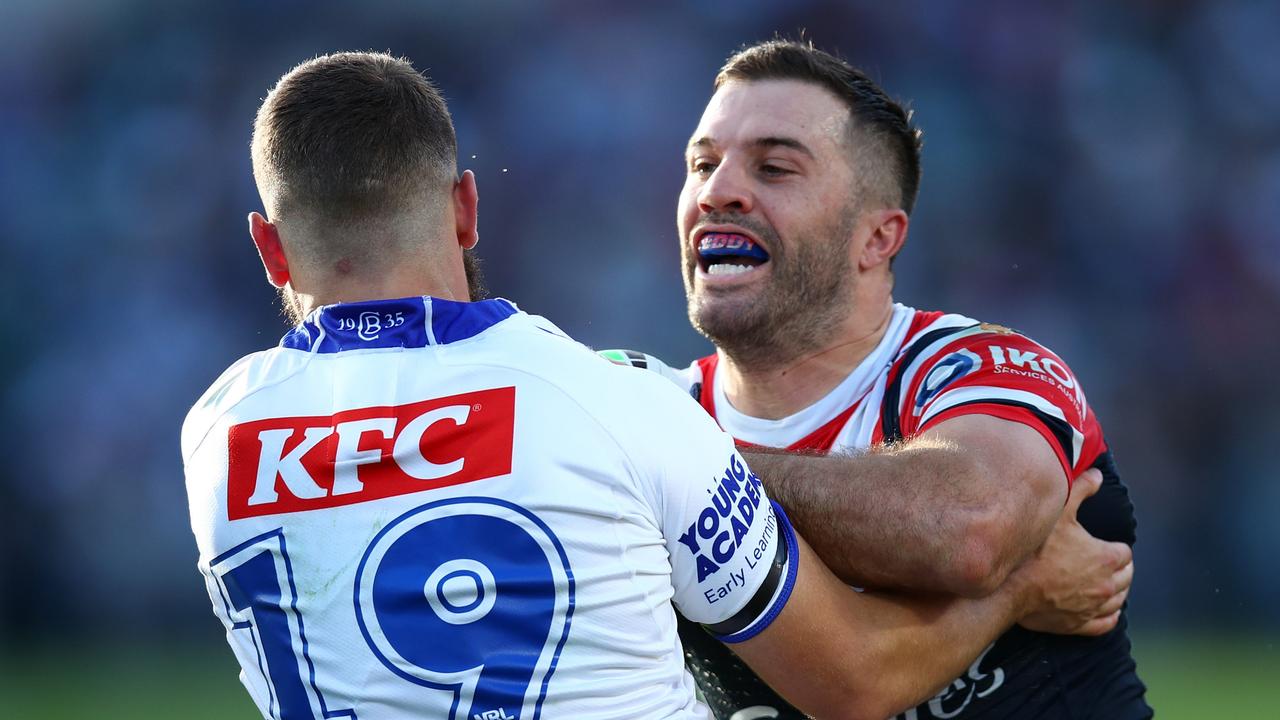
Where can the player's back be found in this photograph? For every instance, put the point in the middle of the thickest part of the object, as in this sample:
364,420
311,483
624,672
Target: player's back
434,509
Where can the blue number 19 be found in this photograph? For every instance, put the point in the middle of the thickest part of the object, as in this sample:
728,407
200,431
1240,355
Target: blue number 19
470,595
255,582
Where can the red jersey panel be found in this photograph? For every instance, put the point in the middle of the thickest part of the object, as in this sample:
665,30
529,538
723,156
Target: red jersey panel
930,367
991,370
933,368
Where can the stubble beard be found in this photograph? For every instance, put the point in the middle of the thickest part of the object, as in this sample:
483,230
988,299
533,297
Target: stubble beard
808,295
475,275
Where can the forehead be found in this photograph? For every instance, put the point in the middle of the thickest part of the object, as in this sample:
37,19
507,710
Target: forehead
744,111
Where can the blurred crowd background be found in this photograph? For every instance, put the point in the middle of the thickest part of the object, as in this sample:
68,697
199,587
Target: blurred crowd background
1104,176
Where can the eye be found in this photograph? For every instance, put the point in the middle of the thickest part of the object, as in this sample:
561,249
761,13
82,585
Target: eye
774,170
702,167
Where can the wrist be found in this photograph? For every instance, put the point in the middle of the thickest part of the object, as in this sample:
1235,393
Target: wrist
1022,596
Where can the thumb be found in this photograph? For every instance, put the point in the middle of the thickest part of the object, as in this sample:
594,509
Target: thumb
1083,486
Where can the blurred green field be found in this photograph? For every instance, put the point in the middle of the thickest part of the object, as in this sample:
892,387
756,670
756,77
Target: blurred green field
1189,677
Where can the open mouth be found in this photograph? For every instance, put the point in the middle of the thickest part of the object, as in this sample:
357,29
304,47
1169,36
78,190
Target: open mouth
729,253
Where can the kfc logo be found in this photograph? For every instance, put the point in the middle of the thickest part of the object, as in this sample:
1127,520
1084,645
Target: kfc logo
307,463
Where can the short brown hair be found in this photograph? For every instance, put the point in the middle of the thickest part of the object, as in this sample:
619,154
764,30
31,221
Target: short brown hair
882,120
349,135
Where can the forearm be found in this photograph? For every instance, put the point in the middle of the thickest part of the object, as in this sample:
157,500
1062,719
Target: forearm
836,653
919,643
909,518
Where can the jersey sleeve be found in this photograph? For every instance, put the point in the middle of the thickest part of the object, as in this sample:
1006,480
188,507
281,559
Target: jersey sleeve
1003,374
684,378
732,551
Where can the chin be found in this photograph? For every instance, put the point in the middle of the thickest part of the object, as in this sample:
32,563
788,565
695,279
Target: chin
724,321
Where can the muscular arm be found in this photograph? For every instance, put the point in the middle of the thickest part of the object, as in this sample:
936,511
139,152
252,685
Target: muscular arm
954,510
836,653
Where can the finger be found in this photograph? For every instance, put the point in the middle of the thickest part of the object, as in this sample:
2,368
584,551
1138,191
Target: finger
1082,487
1123,577
1121,554
1113,604
1099,626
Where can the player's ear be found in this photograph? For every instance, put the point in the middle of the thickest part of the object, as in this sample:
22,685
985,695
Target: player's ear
888,233
465,201
266,237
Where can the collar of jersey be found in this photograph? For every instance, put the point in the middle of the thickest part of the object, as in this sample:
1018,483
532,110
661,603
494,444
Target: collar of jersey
793,428
410,322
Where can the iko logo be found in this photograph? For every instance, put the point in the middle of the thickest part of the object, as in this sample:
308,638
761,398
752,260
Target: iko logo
1045,368
1031,362
295,464
498,714
944,372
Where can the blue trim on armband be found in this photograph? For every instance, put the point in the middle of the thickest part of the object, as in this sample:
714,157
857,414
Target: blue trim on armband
793,565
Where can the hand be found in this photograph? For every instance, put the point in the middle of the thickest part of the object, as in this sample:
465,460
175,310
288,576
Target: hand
1079,583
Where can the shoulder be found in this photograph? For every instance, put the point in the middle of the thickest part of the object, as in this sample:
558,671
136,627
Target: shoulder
689,378
240,380
649,417
962,366
955,345
616,386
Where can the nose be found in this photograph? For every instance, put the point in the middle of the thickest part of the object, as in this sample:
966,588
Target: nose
725,190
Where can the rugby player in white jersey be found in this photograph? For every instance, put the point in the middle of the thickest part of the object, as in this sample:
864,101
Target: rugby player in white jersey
418,505
800,178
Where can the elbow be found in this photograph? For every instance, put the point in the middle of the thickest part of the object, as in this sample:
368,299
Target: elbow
860,707
979,567
867,704
875,698
877,709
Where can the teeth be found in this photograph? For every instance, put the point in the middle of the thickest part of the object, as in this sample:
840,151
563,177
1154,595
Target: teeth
728,269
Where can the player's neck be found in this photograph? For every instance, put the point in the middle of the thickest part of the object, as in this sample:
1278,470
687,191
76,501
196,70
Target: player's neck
777,391
406,281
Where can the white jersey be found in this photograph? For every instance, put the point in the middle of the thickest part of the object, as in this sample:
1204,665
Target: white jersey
424,508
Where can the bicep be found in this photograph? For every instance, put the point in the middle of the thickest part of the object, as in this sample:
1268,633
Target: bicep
724,539
1016,468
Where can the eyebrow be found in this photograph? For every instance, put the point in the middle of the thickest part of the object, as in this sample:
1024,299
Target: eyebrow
764,142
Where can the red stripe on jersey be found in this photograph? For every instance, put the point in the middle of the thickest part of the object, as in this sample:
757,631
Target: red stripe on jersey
1012,414
877,434
822,439
706,396
921,320
987,364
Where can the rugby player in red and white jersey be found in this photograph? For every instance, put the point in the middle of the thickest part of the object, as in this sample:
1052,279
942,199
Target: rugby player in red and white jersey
800,179
418,505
